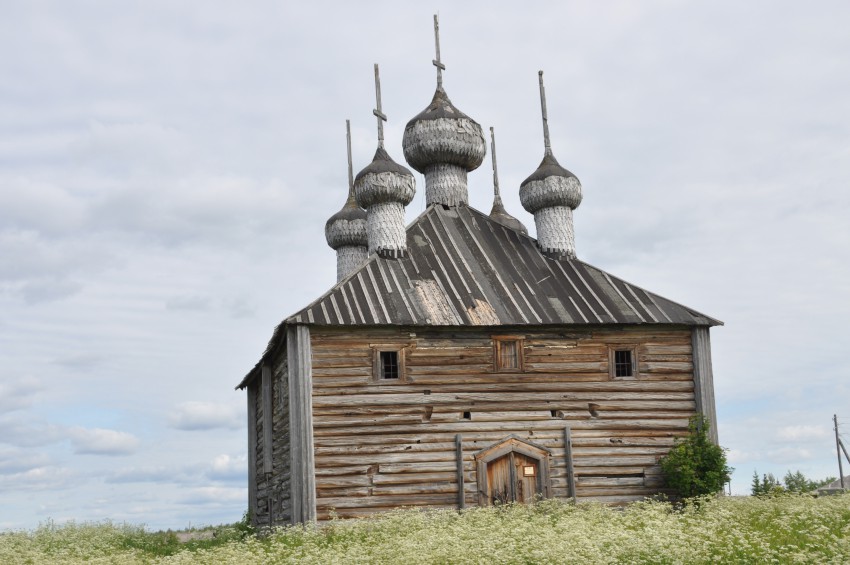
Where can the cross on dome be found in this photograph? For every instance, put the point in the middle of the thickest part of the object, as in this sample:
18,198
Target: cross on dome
437,63
378,113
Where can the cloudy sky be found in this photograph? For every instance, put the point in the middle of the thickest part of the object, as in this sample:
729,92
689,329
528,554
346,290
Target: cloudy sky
166,170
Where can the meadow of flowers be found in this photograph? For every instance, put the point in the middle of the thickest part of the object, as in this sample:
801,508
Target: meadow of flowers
786,529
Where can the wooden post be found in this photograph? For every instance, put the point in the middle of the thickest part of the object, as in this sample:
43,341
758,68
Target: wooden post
704,378
838,451
252,451
568,454
461,497
302,461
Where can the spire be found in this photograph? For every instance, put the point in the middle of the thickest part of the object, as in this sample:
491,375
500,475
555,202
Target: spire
378,113
546,143
345,231
498,213
551,193
437,63
443,143
384,188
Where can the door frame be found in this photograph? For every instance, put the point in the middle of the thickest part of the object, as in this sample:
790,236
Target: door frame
510,444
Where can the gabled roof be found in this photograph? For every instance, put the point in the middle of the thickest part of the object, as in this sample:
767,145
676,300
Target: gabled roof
463,268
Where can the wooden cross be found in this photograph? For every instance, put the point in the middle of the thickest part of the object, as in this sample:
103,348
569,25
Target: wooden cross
350,173
545,115
380,115
437,63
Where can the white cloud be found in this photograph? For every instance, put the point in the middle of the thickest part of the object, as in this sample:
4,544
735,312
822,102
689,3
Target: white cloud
19,393
802,432
789,455
196,416
215,495
99,441
16,461
227,468
41,478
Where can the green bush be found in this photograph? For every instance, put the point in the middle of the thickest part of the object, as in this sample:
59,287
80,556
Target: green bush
696,466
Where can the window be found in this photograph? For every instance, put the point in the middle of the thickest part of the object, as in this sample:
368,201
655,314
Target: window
623,362
507,353
388,363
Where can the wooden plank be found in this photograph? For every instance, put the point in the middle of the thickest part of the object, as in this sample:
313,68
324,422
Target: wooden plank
568,448
252,451
303,477
465,398
416,467
510,383
704,379
461,501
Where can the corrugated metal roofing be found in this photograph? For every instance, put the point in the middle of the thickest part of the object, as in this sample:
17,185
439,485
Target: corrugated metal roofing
462,268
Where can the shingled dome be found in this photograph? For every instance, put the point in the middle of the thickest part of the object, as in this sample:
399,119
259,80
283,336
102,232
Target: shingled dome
347,227
383,180
442,134
550,185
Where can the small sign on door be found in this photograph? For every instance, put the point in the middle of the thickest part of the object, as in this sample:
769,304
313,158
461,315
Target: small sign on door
528,470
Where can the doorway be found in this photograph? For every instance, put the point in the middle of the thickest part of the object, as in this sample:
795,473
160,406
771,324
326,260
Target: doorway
512,470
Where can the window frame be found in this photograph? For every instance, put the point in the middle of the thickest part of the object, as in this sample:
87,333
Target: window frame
377,365
498,340
612,362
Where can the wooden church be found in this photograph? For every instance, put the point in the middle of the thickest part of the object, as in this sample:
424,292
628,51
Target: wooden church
461,362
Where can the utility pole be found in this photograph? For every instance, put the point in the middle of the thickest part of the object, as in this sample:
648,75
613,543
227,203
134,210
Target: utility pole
838,450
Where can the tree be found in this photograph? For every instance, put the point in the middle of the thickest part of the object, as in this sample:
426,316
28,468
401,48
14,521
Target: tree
795,482
768,485
696,466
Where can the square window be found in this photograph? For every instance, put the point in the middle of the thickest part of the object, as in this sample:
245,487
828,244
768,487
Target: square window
388,363
507,354
623,362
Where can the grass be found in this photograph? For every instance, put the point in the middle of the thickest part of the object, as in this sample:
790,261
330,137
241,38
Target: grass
787,529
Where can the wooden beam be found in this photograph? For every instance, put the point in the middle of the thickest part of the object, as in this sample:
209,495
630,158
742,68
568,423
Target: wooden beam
461,499
704,378
303,479
571,476
252,451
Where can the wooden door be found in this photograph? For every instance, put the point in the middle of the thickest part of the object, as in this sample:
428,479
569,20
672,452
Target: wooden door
513,477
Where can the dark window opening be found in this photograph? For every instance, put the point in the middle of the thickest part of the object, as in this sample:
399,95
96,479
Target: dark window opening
467,415
389,365
623,363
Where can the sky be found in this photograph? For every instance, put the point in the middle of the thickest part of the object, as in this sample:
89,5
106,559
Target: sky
167,168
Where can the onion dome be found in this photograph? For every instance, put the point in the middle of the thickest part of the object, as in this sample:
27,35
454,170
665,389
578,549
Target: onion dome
348,226
384,181
346,231
442,134
384,188
551,193
444,144
550,185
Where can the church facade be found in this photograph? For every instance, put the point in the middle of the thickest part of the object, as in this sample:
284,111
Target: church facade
459,361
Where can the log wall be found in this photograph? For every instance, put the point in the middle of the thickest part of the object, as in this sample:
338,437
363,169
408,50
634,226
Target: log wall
271,502
380,445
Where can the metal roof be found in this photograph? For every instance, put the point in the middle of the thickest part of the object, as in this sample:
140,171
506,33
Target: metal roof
464,269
